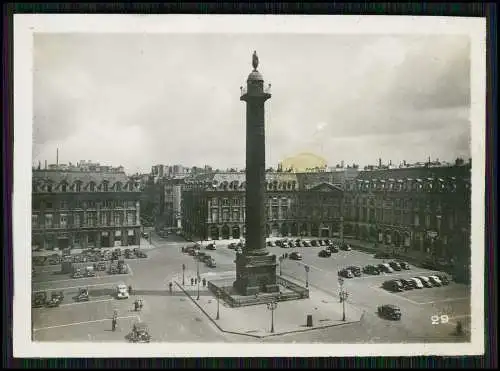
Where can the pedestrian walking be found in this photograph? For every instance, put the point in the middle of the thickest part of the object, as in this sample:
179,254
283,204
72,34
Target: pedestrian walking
192,281
170,287
130,289
140,305
204,281
136,305
195,281
113,324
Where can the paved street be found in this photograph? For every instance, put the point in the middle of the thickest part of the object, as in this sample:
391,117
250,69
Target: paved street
176,318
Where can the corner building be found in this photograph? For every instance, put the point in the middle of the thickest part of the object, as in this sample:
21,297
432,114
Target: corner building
81,209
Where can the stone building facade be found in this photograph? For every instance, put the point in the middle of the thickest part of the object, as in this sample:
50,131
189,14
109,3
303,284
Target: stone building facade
214,207
83,209
424,210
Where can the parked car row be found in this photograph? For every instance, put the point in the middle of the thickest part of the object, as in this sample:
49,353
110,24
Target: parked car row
291,243
354,271
419,282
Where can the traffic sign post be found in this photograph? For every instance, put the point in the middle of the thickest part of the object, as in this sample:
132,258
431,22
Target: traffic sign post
272,306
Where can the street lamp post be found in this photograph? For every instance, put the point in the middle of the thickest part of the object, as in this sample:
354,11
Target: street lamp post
306,267
198,277
272,306
183,273
217,294
343,295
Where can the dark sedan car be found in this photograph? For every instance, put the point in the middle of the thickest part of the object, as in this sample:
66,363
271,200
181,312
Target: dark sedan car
382,255
345,247
333,248
408,284
346,273
403,265
389,311
314,243
295,256
371,269
393,285
324,254
395,266
355,270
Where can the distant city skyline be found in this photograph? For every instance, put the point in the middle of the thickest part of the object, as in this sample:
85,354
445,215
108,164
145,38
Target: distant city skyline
128,100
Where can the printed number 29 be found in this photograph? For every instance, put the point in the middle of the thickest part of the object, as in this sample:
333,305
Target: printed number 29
436,320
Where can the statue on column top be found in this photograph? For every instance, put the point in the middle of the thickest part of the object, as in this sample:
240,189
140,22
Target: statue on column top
255,60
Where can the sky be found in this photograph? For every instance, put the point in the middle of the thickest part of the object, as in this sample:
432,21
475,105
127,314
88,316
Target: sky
143,99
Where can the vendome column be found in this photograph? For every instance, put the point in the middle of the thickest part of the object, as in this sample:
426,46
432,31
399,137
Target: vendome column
255,268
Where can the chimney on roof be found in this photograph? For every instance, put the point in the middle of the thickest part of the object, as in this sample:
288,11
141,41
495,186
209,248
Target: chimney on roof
57,157
390,162
379,162
45,164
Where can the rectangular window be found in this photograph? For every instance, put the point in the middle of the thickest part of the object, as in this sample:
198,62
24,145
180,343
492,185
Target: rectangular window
91,219
34,221
236,201
116,218
236,215
427,221
225,215
48,220
119,204
215,215
63,220
48,205
284,212
225,202
91,205
63,205
77,220
417,220
275,213
130,218
76,239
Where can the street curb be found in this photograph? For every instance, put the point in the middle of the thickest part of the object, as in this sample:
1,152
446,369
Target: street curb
262,336
209,317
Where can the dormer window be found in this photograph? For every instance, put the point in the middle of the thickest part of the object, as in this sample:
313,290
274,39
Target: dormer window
92,187
118,186
105,186
63,187
78,187
131,186
49,187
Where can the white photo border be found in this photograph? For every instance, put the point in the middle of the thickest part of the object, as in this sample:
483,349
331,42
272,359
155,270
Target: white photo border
24,28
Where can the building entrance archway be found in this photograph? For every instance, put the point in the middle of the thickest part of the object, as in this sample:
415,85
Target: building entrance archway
284,230
314,230
225,232
275,230
236,232
214,232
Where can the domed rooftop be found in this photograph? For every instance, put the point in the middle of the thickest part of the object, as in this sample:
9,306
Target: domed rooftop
255,76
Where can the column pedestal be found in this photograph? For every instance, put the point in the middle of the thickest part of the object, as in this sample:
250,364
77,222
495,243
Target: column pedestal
256,274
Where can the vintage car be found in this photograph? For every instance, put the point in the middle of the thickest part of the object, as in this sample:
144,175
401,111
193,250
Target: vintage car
100,266
140,333
122,292
211,263
346,273
325,254
83,295
389,311
39,300
77,274
54,301
89,271
211,246
141,254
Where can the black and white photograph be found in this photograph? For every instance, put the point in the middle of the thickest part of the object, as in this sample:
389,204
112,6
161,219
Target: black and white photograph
204,186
